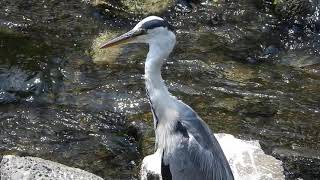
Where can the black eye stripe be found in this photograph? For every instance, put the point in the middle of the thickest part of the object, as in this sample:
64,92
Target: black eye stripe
155,23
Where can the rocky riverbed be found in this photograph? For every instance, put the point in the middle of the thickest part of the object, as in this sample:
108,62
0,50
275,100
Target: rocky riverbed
249,68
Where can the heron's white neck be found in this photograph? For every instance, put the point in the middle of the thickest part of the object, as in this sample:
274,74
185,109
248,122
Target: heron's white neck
159,50
154,82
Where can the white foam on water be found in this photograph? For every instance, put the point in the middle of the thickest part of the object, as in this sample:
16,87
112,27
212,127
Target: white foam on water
246,158
32,168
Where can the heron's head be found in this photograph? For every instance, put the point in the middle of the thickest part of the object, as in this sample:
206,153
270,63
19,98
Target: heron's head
151,30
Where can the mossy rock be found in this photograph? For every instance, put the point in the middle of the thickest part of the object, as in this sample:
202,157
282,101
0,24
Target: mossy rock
147,6
144,7
108,55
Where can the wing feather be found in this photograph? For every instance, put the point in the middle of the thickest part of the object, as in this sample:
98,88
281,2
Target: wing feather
198,155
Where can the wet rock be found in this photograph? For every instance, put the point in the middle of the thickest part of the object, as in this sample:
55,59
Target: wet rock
270,51
18,84
96,142
252,60
186,6
293,8
303,163
151,167
17,80
6,98
17,168
247,161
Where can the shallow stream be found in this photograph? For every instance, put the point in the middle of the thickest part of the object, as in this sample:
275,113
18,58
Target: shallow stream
243,65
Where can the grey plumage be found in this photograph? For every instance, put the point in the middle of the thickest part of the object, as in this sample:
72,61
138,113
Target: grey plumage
197,154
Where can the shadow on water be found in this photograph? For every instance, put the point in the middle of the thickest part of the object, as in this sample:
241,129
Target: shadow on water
245,70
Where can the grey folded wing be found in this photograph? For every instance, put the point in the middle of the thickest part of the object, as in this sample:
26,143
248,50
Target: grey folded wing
197,153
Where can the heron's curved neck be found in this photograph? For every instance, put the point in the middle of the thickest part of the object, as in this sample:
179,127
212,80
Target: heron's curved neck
154,82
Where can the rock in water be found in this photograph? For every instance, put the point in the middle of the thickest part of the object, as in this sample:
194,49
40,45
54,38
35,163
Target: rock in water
151,167
246,158
23,168
248,161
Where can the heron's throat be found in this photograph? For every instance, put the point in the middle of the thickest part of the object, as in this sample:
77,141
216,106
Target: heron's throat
154,82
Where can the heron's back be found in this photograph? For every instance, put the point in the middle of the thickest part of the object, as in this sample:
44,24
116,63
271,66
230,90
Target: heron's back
196,154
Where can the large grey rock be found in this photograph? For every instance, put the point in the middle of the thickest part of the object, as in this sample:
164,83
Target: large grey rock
27,168
246,158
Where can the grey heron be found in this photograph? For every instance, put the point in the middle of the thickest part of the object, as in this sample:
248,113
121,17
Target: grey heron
188,147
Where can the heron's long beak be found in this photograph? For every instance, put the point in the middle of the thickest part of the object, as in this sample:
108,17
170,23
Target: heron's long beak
124,38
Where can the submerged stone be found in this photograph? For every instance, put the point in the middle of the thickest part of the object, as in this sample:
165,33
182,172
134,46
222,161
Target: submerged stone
107,55
298,59
147,6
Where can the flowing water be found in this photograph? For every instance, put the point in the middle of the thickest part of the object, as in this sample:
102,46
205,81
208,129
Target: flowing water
246,70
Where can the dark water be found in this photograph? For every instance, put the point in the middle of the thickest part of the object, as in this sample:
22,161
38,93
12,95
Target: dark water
245,66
